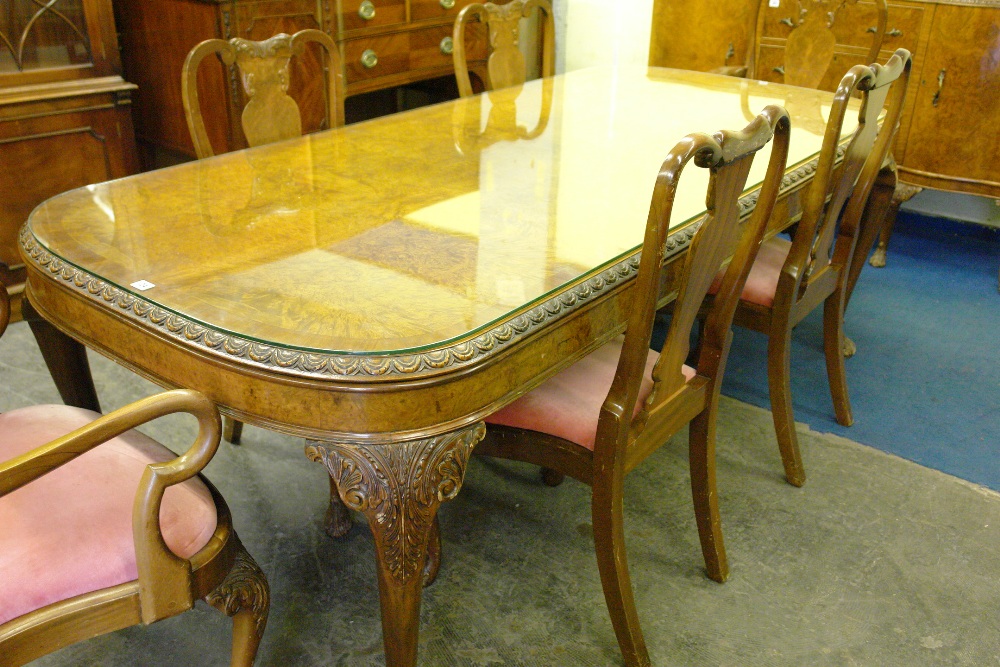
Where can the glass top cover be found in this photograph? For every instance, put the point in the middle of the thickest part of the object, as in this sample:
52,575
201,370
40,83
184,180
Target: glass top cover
419,229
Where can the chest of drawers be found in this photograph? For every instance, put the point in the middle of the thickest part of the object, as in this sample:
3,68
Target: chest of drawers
383,44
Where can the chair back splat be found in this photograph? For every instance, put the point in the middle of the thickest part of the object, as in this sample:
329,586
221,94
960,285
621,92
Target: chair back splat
728,155
506,65
270,113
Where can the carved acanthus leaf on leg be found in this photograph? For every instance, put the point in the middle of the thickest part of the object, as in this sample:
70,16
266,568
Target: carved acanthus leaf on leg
244,589
399,487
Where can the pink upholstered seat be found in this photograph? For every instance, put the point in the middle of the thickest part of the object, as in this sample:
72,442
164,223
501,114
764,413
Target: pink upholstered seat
568,405
762,283
70,532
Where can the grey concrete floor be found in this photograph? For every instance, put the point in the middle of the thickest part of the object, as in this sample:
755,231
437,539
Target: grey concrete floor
876,561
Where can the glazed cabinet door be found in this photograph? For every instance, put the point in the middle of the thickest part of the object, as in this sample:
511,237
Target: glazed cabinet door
64,112
955,134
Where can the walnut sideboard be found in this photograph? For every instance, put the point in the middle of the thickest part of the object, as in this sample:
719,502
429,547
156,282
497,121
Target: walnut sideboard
383,44
65,120
951,122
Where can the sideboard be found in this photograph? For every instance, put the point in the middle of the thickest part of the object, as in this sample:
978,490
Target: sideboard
65,120
950,133
383,44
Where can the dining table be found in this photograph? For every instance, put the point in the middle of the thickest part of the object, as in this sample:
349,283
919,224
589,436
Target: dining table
382,287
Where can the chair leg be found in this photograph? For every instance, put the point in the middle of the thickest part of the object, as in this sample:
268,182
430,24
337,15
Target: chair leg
337,521
701,455
552,477
245,597
232,430
609,542
833,347
779,360
433,562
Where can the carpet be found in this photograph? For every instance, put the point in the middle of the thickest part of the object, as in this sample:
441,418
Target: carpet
925,382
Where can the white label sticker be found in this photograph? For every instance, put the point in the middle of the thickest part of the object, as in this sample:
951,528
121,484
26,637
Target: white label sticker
142,285
773,3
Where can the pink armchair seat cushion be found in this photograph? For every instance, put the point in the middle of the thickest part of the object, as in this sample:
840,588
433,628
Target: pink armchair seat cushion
70,531
762,282
568,405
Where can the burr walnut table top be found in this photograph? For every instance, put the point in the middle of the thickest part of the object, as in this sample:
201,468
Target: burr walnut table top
397,252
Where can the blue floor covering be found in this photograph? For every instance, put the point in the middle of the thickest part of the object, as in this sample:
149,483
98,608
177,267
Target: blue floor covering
925,382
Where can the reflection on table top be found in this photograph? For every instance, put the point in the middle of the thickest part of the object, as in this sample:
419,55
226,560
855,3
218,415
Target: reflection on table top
415,230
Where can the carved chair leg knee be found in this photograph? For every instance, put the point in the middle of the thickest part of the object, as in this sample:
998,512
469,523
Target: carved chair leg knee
244,596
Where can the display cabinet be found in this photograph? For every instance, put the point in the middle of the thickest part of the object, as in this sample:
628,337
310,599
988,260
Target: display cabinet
383,44
65,120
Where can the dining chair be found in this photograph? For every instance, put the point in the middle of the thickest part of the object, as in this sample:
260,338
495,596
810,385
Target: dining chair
270,113
599,418
102,527
506,65
811,53
822,261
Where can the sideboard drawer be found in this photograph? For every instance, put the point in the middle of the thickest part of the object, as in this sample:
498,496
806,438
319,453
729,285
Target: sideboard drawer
374,13
374,57
435,9
771,58
902,31
431,47
854,24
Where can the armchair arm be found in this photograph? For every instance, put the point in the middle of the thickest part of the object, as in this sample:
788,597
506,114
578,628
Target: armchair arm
20,470
164,578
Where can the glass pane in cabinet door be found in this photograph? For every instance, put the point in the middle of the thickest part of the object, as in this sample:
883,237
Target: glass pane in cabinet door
42,34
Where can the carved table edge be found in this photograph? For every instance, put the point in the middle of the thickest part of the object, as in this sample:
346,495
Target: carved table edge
299,363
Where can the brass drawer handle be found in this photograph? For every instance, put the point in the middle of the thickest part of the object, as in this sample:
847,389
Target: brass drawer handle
447,4
779,69
369,59
787,21
895,32
447,46
937,95
367,10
